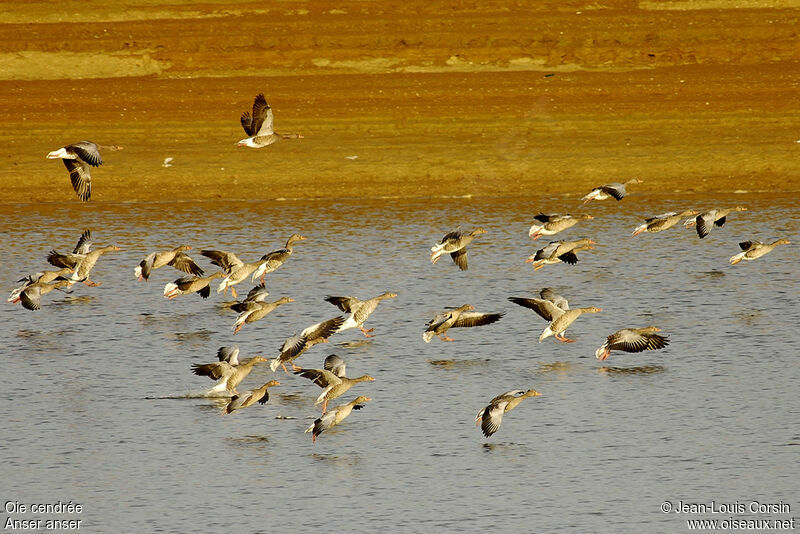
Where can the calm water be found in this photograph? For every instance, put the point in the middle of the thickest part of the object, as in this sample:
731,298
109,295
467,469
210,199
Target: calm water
714,416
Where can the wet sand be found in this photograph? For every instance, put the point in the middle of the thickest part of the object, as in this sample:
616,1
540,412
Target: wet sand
415,101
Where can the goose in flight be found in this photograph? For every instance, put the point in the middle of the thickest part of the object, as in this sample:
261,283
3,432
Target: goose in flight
459,317
662,222
632,340
359,310
492,415
755,249
454,243
258,126
77,158
335,416
707,220
552,224
613,190
174,257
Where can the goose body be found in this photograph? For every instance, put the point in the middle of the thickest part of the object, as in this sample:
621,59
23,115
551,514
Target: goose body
88,262
70,261
175,258
460,317
191,284
258,126
614,190
552,224
333,386
239,273
277,258
31,295
359,310
454,243
662,222
250,312
78,158
562,321
335,416
707,220
559,251
229,375
752,250
632,340
42,277
248,398
550,306
491,416
296,345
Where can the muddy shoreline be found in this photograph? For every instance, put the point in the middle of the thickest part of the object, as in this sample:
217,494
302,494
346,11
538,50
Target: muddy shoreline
442,102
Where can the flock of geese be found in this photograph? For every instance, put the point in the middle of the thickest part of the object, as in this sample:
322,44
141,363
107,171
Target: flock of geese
229,371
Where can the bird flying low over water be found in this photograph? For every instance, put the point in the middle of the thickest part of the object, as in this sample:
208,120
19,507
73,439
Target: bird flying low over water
359,310
492,415
335,416
77,158
333,385
752,250
662,222
296,345
459,317
259,126
191,284
454,243
248,398
175,258
613,190
632,340
552,224
558,251
707,220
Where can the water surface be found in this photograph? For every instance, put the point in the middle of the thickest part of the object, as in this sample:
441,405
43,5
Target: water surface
713,416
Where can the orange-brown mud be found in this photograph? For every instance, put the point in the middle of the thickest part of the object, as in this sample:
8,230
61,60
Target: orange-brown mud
402,99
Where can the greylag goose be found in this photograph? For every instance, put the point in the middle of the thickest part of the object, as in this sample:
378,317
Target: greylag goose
227,261
335,416
257,294
258,126
31,296
459,317
492,415
228,374
276,258
359,310
77,158
88,262
250,312
174,258
550,306
708,219
632,340
552,224
296,345
248,398
191,284
333,386
42,277
559,251
240,273
755,249
454,243
613,190
562,321
662,222
70,261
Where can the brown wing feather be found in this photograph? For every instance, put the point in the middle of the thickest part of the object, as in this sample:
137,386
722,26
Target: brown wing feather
460,258
80,177
476,319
